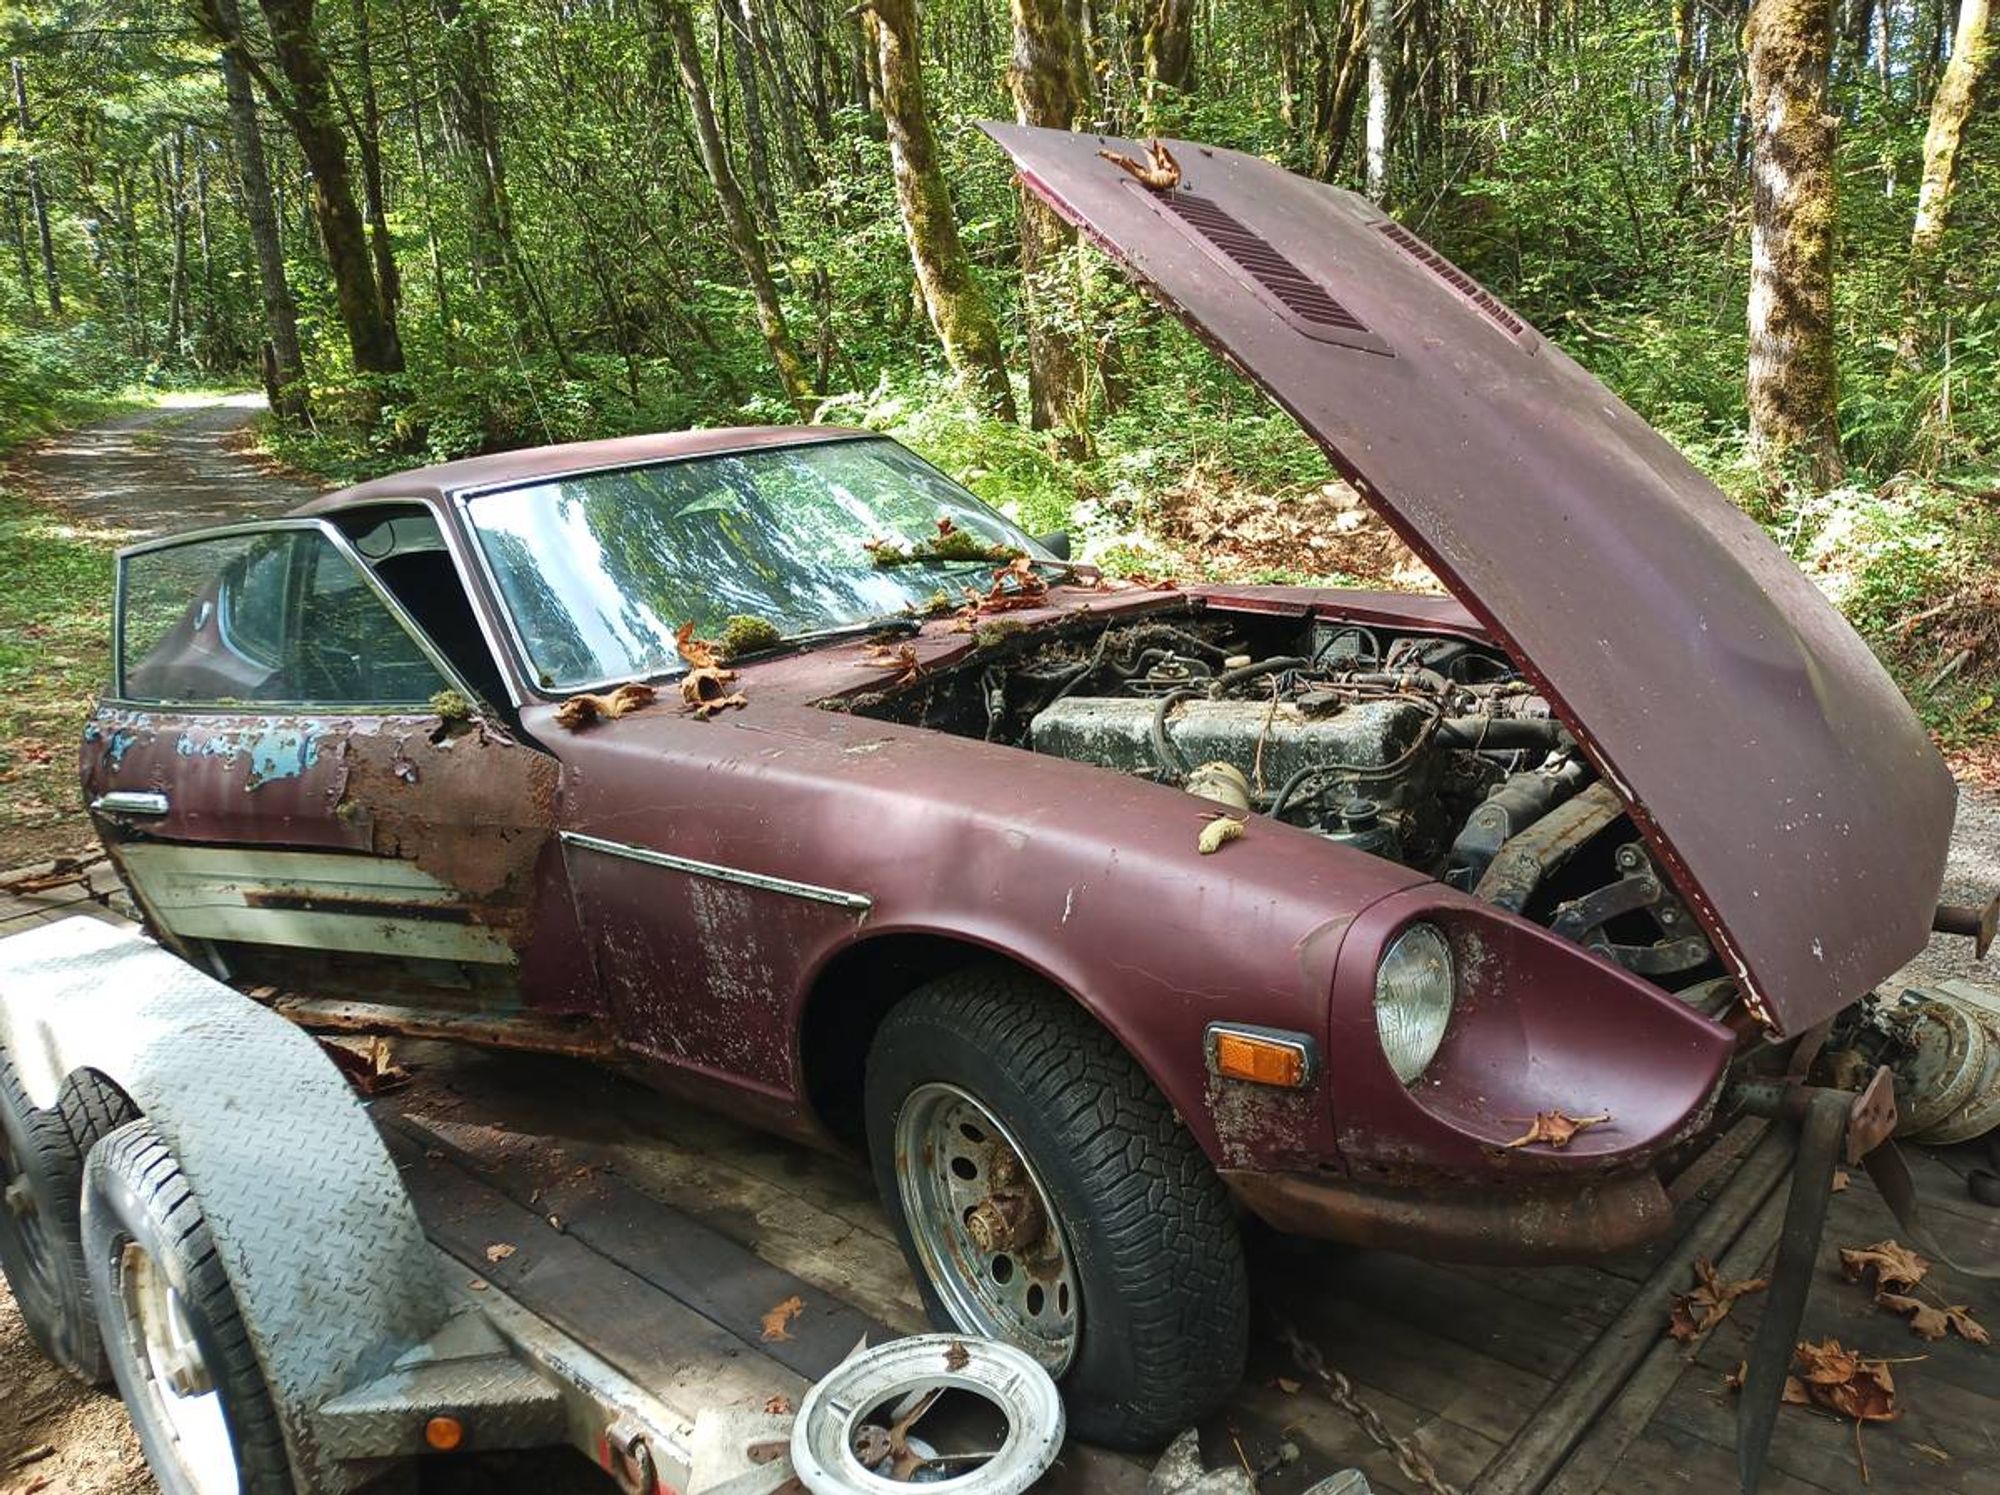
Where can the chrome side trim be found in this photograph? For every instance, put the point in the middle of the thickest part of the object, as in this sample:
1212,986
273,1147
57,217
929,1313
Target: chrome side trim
130,802
859,902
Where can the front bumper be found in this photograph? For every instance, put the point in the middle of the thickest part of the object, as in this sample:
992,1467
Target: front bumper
1515,1222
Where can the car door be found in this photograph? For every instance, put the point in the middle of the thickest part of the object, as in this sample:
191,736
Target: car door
299,787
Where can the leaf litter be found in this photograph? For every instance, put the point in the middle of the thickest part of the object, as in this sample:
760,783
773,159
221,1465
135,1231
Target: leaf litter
1556,1128
1695,1313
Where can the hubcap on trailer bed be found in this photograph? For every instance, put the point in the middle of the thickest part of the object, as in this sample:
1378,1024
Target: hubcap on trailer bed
990,1242
177,1377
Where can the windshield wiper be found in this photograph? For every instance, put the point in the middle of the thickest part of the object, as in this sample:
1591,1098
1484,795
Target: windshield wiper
892,623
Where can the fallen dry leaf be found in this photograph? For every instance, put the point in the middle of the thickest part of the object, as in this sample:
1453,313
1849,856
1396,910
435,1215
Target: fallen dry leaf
956,1356
1894,1264
705,687
1556,1128
1934,1321
1287,1385
581,711
780,1316
1217,834
696,653
499,1251
902,659
1015,585
371,1068
778,1406
1159,170
1701,1310
1848,1383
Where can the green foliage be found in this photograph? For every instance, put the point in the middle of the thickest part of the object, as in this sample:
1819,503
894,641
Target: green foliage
1586,163
55,630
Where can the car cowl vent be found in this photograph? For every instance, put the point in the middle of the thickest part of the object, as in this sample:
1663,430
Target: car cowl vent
1457,279
1303,302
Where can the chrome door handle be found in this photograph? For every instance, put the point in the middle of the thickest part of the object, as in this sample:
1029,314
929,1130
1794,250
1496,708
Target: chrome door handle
130,802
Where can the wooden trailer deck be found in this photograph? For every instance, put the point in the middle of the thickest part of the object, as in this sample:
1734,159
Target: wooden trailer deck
662,1236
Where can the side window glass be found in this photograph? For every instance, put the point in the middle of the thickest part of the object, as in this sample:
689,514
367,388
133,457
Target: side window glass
349,649
276,619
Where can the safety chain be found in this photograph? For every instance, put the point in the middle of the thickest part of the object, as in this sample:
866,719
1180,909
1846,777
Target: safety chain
1412,1460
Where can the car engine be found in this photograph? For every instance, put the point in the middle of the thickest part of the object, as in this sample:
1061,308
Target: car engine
1427,750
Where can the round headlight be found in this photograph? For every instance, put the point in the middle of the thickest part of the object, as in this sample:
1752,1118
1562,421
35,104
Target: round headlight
1413,997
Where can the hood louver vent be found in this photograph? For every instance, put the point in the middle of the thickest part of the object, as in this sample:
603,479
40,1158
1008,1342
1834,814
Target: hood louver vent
1457,279
1305,303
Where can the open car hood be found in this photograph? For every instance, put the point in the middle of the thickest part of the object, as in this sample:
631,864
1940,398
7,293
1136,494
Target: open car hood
1770,760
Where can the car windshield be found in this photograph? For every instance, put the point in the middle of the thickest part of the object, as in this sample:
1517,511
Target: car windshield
599,569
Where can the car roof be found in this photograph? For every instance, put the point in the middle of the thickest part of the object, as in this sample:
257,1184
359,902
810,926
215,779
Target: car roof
530,464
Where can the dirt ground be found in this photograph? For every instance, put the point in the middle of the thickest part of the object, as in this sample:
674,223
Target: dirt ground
56,1436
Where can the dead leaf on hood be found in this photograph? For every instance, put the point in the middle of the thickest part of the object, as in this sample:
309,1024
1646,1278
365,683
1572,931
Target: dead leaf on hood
695,653
499,1251
1015,585
581,711
1934,1321
1159,170
902,659
1894,1264
781,1315
1217,834
1556,1128
1701,1310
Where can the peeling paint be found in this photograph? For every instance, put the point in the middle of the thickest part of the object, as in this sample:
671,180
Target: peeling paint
273,752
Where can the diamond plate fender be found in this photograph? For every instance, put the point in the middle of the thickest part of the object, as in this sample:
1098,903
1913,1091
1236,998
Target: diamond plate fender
328,1262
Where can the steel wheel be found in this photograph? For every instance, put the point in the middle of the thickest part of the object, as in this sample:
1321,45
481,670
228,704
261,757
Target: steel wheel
990,1242
23,1221
177,1378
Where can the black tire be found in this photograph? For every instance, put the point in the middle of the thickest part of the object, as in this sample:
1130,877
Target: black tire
1163,1324
140,1218
41,1239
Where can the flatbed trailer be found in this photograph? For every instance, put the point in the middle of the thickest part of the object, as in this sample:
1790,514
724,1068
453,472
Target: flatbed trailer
632,1251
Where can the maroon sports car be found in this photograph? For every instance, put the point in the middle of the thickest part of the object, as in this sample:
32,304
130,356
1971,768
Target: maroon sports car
1098,914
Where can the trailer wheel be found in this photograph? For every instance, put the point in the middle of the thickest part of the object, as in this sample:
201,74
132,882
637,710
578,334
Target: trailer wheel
41,1240
172,1332
1046,1195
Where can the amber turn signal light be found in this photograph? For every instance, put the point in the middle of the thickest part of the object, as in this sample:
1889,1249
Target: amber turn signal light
1261,1056
444,1433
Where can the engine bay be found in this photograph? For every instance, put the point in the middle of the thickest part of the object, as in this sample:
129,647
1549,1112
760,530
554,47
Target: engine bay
1424,749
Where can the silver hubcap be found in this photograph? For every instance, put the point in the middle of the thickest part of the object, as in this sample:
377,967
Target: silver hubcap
179,1383
984,1229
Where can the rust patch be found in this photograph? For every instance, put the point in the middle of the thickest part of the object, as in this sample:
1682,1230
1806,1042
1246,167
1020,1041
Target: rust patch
474,810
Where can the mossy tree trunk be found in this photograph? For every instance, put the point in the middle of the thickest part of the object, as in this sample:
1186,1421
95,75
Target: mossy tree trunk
737,220
957,308
313,112
1169,46
1048,92
284,363
1792,380
1951,108
1381,69
51,279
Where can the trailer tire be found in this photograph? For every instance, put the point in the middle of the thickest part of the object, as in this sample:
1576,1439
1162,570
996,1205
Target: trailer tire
171,1328
1146,1233
41,1238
